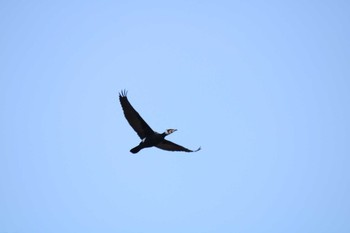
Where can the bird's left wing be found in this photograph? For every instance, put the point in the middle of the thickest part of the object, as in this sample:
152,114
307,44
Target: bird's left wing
170,146
135,120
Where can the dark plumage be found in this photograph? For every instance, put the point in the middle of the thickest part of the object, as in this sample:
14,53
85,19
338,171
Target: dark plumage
148,136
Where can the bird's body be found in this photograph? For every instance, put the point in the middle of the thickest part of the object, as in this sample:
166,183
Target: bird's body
149,137
151,140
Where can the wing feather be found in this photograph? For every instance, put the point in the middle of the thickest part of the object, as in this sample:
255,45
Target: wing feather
133,117
170,146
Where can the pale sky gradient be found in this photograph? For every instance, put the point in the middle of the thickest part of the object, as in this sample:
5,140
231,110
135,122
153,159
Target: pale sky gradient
262,86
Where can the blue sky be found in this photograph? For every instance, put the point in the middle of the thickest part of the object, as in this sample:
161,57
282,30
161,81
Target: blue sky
262,86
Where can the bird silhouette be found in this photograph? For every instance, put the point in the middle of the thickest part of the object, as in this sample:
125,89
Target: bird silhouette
149,138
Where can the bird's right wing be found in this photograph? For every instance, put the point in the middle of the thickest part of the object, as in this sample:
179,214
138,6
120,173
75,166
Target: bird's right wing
135,120
170,146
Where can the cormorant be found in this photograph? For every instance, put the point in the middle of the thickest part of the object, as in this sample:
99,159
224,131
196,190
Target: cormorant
148,136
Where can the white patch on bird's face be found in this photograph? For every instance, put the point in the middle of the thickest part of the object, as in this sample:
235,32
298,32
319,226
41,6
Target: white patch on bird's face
143,140
169,131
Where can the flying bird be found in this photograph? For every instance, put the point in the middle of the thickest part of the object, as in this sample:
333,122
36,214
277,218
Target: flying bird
149,138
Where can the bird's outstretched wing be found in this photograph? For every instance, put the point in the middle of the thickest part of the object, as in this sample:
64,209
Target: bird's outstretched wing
135,120
170,146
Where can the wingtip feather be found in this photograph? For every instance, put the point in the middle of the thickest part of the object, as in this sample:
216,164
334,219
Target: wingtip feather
123,93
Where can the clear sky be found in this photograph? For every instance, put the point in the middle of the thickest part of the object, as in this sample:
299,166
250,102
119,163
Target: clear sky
262,86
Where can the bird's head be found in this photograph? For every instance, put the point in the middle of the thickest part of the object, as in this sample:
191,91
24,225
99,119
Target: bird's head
170,131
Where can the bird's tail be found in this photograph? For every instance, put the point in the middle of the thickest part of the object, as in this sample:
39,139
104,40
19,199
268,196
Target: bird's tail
136,149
